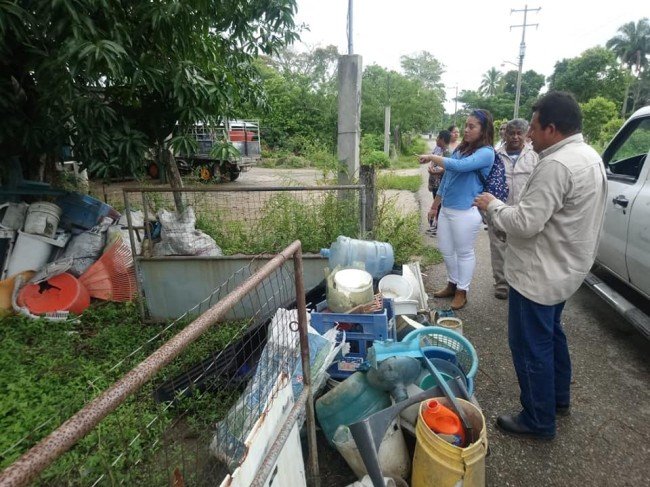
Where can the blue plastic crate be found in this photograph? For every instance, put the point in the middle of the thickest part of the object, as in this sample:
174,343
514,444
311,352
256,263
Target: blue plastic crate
377,326
360,332
348,365
81,210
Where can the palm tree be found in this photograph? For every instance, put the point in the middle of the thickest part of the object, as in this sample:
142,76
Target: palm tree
490,82
632,48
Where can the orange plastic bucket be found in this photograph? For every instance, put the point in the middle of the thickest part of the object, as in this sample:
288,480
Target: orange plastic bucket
60,293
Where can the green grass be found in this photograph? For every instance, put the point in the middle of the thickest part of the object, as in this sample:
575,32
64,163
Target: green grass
405,162
49,370
316,220
401,183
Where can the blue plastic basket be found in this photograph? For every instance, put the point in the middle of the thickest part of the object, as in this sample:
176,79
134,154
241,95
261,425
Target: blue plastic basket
435,341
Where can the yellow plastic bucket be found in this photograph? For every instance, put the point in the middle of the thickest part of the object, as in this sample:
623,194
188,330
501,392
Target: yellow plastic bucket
436,462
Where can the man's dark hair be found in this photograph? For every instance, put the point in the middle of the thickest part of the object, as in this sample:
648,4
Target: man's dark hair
560,109
452,127
445,135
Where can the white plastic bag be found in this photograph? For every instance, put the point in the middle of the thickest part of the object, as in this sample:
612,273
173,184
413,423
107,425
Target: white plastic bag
180,237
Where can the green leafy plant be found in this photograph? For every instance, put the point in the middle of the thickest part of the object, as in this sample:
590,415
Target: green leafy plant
376,158
224,151
403,232
371,143
315,220
415,146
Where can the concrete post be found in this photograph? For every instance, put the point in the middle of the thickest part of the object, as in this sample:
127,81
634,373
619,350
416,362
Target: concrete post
387,130
349,77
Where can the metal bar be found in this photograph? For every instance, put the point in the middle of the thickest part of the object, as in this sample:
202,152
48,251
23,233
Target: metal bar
301,305
363,202
129,222
246,188
37,459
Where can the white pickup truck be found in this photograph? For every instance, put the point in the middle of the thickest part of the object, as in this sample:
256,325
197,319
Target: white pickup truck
624,249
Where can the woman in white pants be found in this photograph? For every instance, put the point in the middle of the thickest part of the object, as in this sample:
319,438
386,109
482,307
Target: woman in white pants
459,221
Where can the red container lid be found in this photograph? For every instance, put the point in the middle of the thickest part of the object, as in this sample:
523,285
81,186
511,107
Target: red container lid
60,293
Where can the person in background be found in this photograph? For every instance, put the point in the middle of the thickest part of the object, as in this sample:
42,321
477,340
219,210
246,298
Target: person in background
553,234
519,160
455,138
435,176
459,221
502,136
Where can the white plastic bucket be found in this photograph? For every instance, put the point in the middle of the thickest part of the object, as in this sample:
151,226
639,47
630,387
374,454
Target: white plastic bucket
32,252
352,280
42,219
395,287
348,288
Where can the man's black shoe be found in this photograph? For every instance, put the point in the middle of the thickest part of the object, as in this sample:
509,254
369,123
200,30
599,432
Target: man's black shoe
562,410
510,425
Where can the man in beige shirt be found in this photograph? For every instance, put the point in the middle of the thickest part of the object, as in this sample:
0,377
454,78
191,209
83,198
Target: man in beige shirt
552,237
519,160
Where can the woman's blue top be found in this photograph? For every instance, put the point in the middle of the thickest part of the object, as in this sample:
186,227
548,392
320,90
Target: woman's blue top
460,184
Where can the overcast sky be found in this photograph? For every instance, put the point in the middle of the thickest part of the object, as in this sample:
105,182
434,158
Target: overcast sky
469,36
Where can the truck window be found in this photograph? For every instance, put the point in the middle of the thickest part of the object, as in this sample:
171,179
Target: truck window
628,158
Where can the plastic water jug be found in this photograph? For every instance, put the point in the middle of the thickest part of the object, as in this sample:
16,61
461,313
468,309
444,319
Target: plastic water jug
377,257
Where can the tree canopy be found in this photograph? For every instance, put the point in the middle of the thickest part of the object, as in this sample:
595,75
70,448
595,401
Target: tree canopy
631,46
594,73
115,77
491,82
424,67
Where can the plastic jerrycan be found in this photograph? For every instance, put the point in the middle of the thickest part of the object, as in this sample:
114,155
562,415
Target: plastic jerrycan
350,401
440,419
377,257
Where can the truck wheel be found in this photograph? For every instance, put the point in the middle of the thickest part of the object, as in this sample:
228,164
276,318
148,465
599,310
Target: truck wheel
153,170
205,174
233,173
183,167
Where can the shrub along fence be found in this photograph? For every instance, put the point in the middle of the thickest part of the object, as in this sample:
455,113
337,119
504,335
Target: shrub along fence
209,233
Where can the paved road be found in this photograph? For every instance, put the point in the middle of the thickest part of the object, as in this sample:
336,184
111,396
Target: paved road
605,441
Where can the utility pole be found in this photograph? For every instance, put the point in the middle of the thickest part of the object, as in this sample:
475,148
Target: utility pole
456,104
522,51
350,10
349,102
387,118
